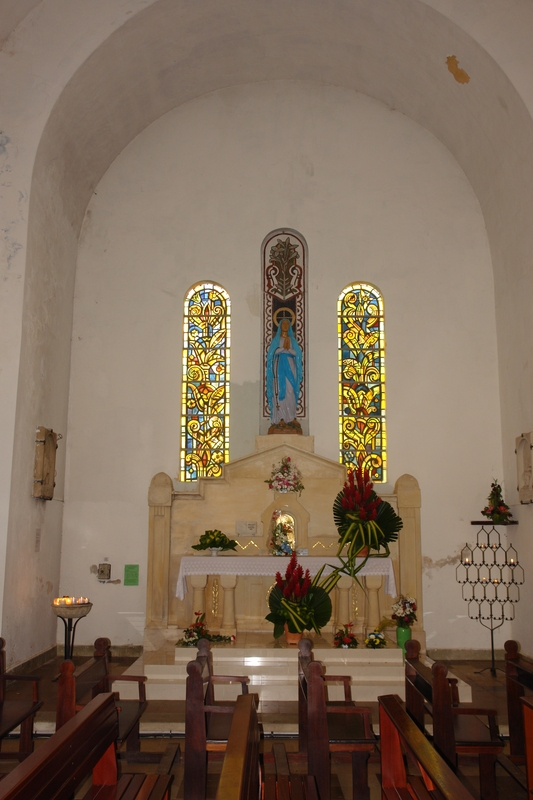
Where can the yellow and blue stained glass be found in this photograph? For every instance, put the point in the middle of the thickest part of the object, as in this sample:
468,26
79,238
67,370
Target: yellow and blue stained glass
205,385
362,405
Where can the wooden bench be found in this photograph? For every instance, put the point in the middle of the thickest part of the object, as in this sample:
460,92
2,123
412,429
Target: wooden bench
399,734
519,677
326,727
280,784
456,728
207,721
527,709
85,743
17,712
77,686
240,778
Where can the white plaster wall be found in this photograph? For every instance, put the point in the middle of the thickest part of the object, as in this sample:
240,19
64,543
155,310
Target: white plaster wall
37,62
378,199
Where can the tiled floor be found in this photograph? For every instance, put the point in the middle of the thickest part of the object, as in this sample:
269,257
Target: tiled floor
487,691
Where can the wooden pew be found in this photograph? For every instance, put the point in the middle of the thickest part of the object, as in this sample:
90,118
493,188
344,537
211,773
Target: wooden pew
207,721
326,727
240,778
280,784
527,708
519,677
85,743
399,733
456,728
77,686
17,712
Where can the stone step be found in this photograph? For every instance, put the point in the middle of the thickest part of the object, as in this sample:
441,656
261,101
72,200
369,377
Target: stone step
273,672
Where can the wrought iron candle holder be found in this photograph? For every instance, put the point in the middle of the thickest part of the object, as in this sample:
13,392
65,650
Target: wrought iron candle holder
490,576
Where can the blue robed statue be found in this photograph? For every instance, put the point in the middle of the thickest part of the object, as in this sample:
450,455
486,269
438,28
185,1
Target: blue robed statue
284,374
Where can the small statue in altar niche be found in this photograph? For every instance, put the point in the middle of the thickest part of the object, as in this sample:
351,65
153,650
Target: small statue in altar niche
284,377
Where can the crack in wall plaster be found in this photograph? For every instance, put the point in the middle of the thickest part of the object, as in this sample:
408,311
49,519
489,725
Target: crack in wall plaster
459,74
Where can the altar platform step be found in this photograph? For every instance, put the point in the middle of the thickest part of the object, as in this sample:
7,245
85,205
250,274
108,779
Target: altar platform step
272,667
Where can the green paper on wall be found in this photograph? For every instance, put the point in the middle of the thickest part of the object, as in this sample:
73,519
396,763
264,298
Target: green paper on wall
131,575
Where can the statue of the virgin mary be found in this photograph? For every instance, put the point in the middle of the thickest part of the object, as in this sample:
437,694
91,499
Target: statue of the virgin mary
284,374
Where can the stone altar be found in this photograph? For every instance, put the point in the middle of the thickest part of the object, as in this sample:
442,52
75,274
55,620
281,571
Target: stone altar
241,501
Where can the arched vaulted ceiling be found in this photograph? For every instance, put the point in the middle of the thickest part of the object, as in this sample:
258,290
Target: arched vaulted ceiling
395,52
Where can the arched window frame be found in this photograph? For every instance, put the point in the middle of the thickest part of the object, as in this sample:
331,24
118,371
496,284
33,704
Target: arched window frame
205,382
362,395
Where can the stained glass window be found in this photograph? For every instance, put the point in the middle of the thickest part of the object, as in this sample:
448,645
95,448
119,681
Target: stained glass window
205,386
362,379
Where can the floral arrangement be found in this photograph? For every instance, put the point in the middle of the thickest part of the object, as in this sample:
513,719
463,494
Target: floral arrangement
215,538
345,637
363,519
198,630
298,601
404,611
496,509
376,640
282,536
285,477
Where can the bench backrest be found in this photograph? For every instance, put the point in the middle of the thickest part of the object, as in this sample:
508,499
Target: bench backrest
59,765
430,690
519,676
77,686
240,778
398,732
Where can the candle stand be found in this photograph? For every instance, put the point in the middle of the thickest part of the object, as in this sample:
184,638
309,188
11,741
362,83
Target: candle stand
68,613
490,576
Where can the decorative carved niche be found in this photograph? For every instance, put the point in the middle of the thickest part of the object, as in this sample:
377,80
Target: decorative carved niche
524,468
44,468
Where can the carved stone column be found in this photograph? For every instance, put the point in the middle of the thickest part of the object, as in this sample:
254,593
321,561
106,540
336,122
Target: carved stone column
410,549
159,502
344,611
228,583
198,583
373,585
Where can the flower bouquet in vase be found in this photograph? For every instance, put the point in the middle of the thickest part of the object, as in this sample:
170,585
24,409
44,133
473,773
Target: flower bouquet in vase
297,603
215,540
404,614
285,477
365,522
497,509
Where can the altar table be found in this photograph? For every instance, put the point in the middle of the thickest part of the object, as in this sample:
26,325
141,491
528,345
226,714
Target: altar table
229,567
269,565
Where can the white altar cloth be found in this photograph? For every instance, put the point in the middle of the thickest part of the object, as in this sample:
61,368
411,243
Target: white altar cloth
269,565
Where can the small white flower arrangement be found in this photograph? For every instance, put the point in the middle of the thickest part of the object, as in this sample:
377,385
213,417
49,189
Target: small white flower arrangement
285,477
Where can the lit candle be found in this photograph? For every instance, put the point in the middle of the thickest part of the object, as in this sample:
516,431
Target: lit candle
483,580
495,581
512,561
467,560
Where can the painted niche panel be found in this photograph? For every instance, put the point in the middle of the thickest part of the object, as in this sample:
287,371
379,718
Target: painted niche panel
284,275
